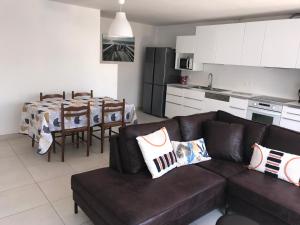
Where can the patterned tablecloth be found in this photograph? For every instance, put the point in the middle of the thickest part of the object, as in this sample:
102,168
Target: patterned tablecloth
40,118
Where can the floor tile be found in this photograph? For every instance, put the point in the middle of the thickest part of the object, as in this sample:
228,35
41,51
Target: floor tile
208,219
43,215
6,150
57,188
13,174
20,199
65,209
50,170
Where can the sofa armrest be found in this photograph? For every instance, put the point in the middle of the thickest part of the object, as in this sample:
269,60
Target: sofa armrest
115,158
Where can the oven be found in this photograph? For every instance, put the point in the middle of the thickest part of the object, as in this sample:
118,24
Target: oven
263,112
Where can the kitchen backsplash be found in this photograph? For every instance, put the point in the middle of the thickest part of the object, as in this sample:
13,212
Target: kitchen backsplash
266,81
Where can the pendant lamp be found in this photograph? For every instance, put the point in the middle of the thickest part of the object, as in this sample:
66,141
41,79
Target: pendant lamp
120,26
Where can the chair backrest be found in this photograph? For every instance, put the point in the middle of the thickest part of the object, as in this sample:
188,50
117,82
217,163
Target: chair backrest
81,94
74,112
62,96
111,107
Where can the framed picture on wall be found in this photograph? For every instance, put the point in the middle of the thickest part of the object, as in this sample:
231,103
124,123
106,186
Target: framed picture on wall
117,49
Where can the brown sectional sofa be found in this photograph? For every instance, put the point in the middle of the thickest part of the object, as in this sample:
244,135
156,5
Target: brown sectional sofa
125,194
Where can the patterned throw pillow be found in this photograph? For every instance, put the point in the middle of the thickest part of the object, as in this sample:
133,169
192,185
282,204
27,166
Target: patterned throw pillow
190,152
158,152
278,164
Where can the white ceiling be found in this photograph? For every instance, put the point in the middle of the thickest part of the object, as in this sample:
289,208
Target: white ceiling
163,12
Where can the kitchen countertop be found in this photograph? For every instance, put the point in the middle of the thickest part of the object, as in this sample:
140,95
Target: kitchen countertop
235,94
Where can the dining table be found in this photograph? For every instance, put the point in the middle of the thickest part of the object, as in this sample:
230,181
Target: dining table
40,119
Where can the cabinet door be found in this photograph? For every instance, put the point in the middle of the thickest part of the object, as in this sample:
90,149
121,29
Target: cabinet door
173,110
190,111
205,51
253,43
229,39
185,44
290,124
281,44
238,107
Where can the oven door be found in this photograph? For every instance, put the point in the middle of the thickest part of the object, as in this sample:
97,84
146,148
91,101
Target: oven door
263,116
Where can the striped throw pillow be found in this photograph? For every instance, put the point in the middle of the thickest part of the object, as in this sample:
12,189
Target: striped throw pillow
282,165
158,152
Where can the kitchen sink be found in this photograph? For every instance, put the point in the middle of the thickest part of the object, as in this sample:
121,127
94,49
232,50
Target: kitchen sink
208,89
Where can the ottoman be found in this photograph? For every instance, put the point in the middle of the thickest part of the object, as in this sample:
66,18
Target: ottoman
235,220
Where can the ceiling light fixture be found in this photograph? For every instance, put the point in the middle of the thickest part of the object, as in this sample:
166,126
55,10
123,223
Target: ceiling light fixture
120,27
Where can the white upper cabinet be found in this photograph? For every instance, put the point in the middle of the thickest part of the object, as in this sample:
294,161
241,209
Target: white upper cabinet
253,43
281,43
229,41
186,44
205,50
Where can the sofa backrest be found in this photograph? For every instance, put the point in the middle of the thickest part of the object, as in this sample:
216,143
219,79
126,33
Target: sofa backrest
254,132
191,126
282,139
131,156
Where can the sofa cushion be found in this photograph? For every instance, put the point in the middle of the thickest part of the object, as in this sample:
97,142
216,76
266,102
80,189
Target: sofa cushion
158,152
282,139
269,194
190,152
131,156
224,140
137,199
223,168
276,163
191,126
253,133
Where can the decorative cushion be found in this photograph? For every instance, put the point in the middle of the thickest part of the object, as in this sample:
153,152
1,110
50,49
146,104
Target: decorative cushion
224,140
158,152
276,163
190,152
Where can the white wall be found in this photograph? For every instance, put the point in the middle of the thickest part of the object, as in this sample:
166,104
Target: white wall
131,73
50,47
268,81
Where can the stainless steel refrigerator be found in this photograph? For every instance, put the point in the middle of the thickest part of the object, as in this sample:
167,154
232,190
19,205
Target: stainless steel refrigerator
159,70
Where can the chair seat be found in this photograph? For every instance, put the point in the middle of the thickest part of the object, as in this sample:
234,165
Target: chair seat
278,198
222,167
137,199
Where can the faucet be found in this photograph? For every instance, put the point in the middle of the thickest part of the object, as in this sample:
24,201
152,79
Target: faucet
210,80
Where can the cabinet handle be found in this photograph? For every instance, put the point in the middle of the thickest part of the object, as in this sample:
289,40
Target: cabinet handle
291,119
295,114
200,100
192,107
234,107
172,103
174,95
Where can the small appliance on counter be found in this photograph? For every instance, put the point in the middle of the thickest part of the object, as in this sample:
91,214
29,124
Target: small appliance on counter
186,63
183,80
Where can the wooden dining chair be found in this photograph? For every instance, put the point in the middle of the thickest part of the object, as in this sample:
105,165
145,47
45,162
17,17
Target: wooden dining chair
109,109
82,94
73,112
47,96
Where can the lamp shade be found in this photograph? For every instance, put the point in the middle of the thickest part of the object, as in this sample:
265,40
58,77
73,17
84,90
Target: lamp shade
120,27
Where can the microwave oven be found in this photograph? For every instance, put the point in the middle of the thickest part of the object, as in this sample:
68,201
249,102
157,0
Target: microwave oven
186,63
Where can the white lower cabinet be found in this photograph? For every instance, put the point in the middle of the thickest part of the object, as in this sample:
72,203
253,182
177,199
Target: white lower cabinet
290,118
238,107
184,102
173,110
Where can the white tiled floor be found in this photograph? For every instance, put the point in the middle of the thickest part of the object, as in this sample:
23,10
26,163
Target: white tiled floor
33,191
